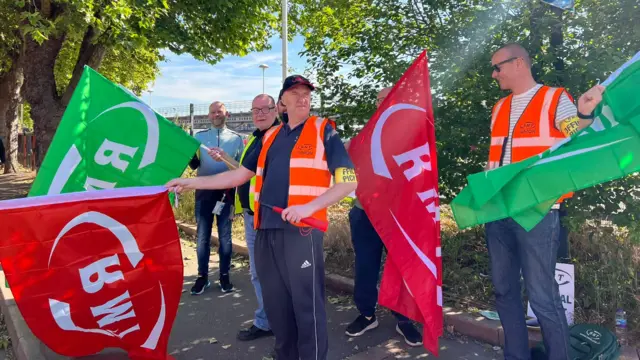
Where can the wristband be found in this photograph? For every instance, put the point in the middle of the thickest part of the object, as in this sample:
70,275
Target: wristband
586,117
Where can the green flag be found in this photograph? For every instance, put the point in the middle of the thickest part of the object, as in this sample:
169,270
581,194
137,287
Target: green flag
526,191
108,138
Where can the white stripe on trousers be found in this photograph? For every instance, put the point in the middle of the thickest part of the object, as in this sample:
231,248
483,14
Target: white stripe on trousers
313,280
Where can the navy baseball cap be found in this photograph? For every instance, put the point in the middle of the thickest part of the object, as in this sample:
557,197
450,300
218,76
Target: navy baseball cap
294,80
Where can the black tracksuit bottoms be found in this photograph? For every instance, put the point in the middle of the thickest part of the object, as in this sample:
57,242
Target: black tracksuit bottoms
290,267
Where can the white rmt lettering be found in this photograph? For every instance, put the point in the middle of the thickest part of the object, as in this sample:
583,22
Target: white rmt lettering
99,268
113,313
95,184
430,196
109,152
415,156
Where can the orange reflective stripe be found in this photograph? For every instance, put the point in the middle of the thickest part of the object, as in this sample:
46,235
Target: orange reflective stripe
535,131
309,163
307,190
320,153
497,140
542,141
270,132
545,120
309,175
496,111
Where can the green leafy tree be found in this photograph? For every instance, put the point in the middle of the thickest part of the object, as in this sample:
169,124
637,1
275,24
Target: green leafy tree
356,47
90,32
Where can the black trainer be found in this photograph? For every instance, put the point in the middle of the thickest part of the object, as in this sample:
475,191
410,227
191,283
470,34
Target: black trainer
225,284
411,335
361,325
253,333
202,283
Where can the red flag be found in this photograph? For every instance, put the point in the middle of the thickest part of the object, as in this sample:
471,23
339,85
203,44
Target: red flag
96,269
396,165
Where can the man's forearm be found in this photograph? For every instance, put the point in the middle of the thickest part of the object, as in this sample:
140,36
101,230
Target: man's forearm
336,193
225,180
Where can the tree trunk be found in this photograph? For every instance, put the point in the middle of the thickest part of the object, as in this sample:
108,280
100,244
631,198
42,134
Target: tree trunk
47,106
11,88
90,54
40,91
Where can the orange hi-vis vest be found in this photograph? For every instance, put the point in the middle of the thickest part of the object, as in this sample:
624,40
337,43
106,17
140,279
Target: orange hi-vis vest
534,132
309,175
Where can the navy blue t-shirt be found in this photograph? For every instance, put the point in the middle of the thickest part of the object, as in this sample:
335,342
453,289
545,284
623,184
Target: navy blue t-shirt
275,186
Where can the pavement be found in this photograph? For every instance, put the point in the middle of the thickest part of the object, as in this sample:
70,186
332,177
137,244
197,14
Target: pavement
207,324
15,185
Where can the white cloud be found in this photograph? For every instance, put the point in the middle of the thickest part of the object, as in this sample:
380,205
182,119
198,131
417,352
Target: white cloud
214,85
253,60
185,80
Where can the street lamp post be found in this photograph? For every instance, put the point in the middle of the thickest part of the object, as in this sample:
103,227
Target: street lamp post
263,67
284,39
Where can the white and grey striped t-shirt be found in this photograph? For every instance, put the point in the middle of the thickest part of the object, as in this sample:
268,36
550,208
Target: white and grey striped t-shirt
566,109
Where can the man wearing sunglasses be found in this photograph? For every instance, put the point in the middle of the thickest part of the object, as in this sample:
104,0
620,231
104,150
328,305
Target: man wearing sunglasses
525,123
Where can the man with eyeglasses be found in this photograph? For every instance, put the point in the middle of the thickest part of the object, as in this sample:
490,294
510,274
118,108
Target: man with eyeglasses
368,247
527,122
264,112
218,203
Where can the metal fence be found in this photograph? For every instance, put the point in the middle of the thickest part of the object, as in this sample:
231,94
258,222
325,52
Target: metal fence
26,150
233,107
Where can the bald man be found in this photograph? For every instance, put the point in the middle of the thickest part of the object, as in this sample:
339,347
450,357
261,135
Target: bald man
215,203
368,249
531,119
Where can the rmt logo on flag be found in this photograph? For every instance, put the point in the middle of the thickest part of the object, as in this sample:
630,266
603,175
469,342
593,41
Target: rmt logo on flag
397,170
88,273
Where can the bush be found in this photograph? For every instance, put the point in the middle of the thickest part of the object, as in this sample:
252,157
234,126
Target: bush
607,263
186,202
606,259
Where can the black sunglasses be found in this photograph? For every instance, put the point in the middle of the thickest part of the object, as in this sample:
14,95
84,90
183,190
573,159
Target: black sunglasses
496,67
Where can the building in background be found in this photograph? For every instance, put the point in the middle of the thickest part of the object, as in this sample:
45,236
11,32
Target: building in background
240,117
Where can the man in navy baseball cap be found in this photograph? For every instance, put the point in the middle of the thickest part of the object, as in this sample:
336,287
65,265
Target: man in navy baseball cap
290,82
294,80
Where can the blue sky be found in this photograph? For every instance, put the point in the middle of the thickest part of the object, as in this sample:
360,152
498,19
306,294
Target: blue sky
183,79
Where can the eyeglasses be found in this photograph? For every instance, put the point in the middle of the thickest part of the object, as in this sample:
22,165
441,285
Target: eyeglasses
264,110
496,67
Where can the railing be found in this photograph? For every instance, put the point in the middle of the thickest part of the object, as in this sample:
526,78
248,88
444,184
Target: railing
26,150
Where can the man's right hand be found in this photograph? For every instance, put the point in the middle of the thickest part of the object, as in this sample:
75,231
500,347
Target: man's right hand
179,185
216,153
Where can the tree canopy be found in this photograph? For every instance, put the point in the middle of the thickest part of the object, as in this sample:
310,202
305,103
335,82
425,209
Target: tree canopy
52,40
358,46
